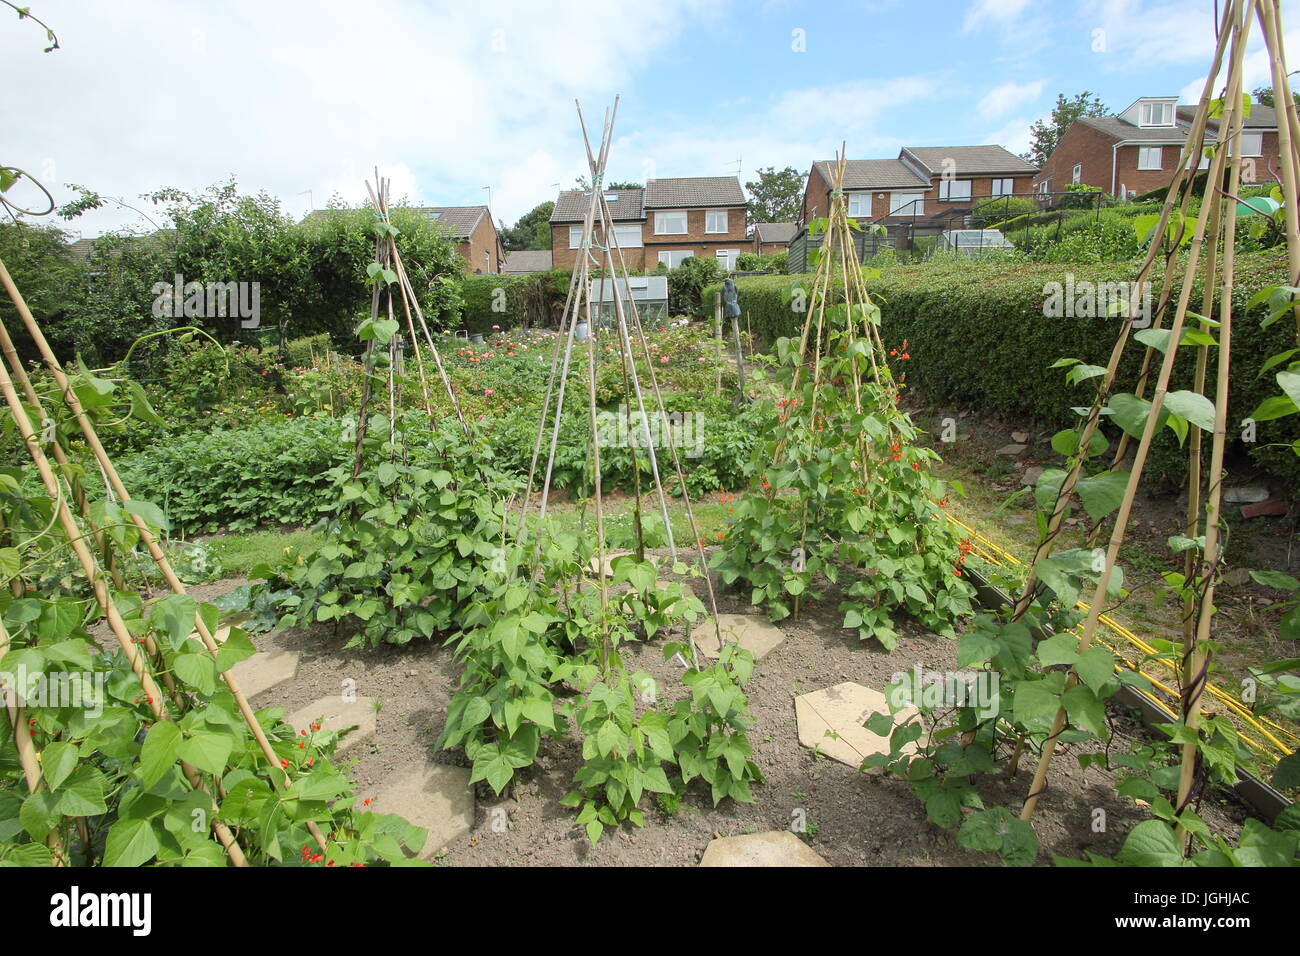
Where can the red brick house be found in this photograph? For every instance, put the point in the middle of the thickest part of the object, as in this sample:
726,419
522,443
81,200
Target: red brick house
1138,149
475,233
922,182
664,223
772,237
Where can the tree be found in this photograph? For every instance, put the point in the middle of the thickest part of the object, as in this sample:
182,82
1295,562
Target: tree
584,184
531,231
777,196
1264,95
1045,135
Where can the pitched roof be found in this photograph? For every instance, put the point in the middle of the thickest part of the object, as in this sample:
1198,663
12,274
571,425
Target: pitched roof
1261,117
573,204
1122,129
693,191
872,174
775,231
969,160
459,221
528,260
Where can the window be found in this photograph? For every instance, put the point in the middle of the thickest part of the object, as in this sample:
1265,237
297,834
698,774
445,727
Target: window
860,204
1156,114
675,257
1148,157
628,237
906,204
575,237
1003,187
670,223
954,190
1044,187
1252,144
715,220
1076,173
727,258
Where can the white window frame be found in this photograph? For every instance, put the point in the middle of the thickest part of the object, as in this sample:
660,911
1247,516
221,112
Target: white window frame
1147,114
1144,157
628,235
1002,187
666,255
859,213
664,219
575,237
899,200
708,222
1076,173
1248,151
946,190
728,259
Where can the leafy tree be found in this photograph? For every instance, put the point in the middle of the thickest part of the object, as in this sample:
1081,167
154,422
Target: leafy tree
1264,95
531,231
585,184
1045,135
777,196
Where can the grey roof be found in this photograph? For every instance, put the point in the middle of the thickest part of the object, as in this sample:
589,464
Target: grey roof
873,174
775,231
573,204
1261,117
82,248
693,191
459,221
1122,129
528,260
969,159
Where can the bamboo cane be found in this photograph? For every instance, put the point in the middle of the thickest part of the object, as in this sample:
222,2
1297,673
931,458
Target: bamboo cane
1288,139
1157,402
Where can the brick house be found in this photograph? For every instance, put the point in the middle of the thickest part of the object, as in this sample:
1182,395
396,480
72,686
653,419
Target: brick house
772,237
923,181
1138,149
475,233
666,222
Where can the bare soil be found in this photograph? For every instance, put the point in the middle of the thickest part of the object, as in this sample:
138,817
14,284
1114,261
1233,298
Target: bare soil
855,819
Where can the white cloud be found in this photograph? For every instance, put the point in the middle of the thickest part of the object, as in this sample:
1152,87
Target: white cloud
1007,96
1014,135
1001,11
297,97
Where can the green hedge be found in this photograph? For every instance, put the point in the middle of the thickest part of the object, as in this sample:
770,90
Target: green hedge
535,300
978,338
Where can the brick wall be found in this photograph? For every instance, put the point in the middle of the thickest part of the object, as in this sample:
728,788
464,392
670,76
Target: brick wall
1081,144
482,250
695,240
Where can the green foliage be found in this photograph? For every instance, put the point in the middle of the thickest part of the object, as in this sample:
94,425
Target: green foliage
777,195
512,301
979,338
1045,134
531,231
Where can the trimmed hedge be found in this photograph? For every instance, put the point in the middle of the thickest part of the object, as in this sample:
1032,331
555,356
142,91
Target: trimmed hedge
534,299
978,338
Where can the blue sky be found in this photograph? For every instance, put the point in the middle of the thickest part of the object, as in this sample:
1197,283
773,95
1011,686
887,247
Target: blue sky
303,99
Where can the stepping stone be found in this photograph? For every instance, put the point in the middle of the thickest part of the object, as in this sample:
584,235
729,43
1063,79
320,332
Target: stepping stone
1274,507
757,635
335,714
437,797
773,848
843,709
1245,495
1020,436
1011,451
265,670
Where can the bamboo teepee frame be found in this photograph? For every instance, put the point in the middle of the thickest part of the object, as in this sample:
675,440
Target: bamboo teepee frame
1214,231
598,226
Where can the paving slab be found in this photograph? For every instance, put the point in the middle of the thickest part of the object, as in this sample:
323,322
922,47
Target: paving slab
756,634
436,797
264,670
772,848
843,709
1012,450
335,714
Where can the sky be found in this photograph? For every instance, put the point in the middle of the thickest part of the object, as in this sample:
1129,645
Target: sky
460,101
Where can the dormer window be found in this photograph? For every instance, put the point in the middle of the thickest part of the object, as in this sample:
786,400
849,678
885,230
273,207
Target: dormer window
1156,114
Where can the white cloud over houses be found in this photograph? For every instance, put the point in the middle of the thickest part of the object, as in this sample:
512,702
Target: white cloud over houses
1005,97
